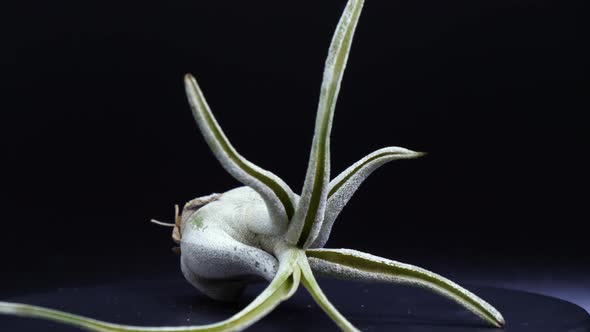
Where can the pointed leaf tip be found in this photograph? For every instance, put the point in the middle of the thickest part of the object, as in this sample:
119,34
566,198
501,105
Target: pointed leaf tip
279,198
355,265
343,187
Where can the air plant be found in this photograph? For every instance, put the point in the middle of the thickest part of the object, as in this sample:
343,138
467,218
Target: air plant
266,231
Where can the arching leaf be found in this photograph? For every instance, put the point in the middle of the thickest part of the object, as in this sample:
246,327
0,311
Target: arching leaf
356,265
310,210
281,288
343,187
279,198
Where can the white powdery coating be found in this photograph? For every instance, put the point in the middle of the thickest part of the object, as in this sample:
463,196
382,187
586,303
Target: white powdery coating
298,221
274,205
214,254
348,20
10,309
218,289
250,207
217,244
339,271
333,72
341,197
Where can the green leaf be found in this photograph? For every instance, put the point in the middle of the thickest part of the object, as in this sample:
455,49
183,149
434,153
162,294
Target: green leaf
310,210
281,288
318,295
355,265
343,187
279,198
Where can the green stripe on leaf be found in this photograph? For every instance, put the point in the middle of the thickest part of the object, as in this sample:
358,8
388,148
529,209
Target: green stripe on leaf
309,282
400,153
343,187
281,288
222,148
337,186
372,268
314,193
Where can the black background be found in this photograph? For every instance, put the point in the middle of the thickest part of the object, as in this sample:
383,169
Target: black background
97,136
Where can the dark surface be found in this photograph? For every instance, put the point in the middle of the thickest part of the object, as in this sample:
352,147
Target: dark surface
170,300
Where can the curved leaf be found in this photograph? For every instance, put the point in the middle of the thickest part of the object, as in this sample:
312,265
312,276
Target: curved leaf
310,210
277,195
318,295
343,187
355,265
281,288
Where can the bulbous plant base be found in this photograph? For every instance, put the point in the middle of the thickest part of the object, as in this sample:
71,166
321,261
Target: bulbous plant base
170,300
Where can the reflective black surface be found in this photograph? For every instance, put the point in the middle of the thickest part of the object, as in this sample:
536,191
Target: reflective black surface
170,300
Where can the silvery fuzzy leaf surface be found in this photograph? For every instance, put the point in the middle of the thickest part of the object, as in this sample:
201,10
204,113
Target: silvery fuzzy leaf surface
277,195
220,253
312,286
355,265
343,187
282,287
309,214
261,231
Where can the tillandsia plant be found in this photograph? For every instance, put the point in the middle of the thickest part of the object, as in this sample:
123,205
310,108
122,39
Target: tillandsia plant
266,231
